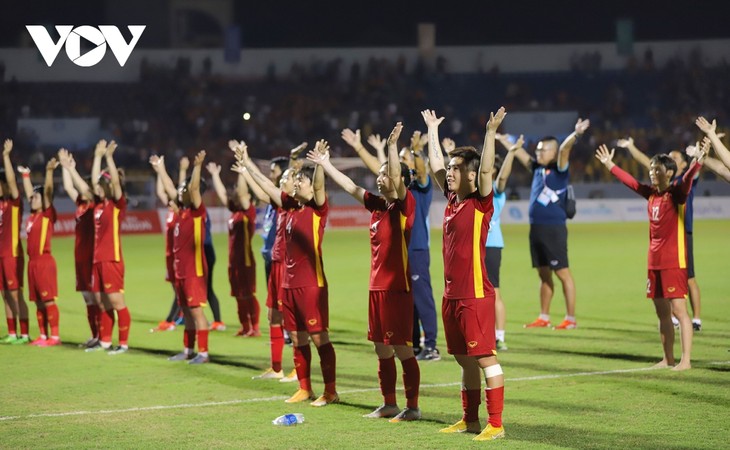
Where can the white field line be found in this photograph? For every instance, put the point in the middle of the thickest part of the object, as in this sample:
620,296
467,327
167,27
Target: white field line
279,397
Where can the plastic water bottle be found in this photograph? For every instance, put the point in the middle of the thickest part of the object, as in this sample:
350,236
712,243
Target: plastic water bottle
289,419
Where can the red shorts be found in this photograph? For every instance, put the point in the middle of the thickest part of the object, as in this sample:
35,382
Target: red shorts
170,268
83,275
243,280
11,272
108,277
306,309
390,317
275,294
469,326
191,292
667,283
42,279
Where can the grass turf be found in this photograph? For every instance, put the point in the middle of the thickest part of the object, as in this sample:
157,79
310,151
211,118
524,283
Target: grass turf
556,395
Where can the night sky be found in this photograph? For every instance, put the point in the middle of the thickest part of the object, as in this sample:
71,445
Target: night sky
379,23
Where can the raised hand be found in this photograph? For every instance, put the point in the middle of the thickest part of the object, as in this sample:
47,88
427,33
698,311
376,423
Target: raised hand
296,151
64,157
430,118
52,164
110,149
23,170
517,145
213,168
625,143
706,127
321,147
377,142
199,158
495,120
704,149
395,134
7,147
604,155
418,141
100,149
317,157
184,163
156,162
241,150
352,138
238,167
448,144
582,125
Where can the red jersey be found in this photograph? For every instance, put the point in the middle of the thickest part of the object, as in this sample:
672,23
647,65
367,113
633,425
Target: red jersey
667,247
84,245
241,228
187,248
108,216
40,231
390,233
11,213
278,250
304,230
466,225
169,232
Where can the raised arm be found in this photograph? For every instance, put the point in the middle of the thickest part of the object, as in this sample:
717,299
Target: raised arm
242,192
323,160
393,169
564,151
506,169
48,185
354,141
165,187
435,157
9,172
448,144
182,173
637,154
379,145
113,172
606,158
418,143
710,129
251,184
520,153
68,184
194,188
486,162
215,173
99,152
24,172
69,169
320,196
244,164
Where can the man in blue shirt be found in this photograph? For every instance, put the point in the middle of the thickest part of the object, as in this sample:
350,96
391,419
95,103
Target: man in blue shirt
548,230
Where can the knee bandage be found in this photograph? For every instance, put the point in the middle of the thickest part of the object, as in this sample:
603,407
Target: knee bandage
493,371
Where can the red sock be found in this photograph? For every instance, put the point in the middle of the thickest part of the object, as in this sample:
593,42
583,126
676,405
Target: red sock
106,326
495,405
11,326
276,336
242,306
189,339
254,312
202,340
24,326
411,381
470,400
302,362
92,315
125,321
328,364
52,316
386,377
42,325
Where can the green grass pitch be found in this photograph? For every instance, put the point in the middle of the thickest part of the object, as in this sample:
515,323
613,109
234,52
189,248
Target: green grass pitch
572,389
